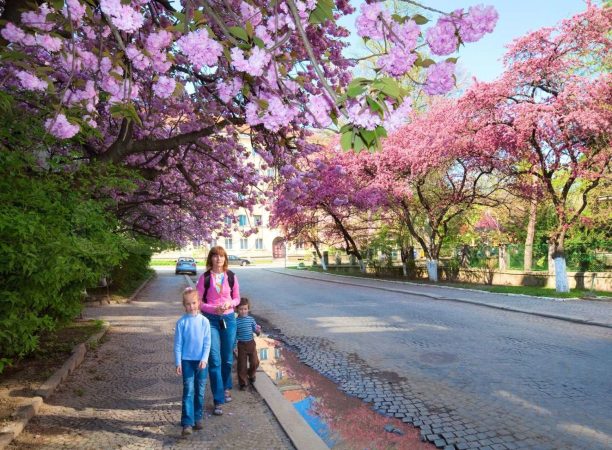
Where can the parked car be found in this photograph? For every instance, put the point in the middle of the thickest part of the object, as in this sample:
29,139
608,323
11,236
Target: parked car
234,260
185,265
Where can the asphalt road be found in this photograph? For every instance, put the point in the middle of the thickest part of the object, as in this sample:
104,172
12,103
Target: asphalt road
489,378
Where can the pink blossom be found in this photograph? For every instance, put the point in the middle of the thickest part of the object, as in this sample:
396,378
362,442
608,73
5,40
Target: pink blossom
478,21
369,23
49,43
274,117
397,62
12,33
254,65
139,60
156,42
440,78
124,17
362,116
250,13
262,33
398,117
320,108
200,49
60,127
164,87
38,19
77,10
405,34
31,82
229,90
442,38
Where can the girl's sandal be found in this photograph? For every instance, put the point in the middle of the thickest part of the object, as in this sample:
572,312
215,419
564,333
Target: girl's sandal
218,411
228,396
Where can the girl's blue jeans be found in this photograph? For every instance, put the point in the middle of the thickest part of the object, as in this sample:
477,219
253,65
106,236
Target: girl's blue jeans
221,354
194,385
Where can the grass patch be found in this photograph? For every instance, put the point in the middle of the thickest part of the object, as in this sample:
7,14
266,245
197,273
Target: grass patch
54,349
533,291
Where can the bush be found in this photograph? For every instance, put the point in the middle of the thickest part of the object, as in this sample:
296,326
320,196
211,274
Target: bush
53,243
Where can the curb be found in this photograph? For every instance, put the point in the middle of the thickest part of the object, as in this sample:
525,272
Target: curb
299,432
439,297
140,288
30,407
292,423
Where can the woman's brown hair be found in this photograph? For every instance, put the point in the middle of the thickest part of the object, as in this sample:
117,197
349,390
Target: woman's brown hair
217,250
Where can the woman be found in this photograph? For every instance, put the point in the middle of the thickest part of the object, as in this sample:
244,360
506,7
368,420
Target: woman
220,293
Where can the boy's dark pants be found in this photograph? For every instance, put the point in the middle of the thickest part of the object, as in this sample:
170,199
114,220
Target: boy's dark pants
247,350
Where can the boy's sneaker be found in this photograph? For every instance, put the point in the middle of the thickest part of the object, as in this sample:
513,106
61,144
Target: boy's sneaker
242,387
187,431
251,380
198,425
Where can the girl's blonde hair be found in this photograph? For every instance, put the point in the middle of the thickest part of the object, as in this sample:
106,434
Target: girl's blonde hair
190,292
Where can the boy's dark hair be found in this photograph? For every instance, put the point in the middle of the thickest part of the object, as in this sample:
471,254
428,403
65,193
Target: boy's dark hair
244,301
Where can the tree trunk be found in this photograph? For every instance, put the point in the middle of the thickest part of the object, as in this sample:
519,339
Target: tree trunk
432,270
531,225
561,280
362,267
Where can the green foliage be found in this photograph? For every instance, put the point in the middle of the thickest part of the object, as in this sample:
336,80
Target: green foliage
53,243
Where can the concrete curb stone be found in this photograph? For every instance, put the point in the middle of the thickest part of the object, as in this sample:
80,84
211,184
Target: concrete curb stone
30,407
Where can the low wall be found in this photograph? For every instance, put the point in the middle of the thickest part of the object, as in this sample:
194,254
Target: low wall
599,281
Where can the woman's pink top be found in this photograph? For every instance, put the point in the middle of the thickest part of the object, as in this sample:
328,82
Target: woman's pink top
214,298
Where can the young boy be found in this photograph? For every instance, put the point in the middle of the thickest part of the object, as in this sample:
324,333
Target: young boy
191,349
245,327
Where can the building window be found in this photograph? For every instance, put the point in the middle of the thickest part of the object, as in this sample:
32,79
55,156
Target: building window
299,245
228,221
277,353
263,354
244,243
279,375
257,220
242,220
259,244
270,172
228,243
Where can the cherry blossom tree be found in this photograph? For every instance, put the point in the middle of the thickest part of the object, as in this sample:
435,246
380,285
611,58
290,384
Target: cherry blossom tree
334,187
436,169
171,89
550,112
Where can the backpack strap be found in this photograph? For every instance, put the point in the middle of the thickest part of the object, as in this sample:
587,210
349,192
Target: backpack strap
230,281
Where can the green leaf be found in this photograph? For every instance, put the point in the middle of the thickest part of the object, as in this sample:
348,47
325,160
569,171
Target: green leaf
374,105
258,42
356,87
358,143
346,140
125,110
380,131
57,4
368,136
178,90
419,19
355,91
240,33
388,86
323,12
249,29
452,60
424,63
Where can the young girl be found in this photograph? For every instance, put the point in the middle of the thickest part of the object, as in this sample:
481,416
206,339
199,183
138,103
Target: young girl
191,350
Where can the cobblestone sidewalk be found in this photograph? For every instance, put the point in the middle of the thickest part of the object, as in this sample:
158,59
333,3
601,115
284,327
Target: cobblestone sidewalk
126,395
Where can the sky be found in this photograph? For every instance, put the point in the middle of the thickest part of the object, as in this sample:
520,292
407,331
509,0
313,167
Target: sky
482,59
